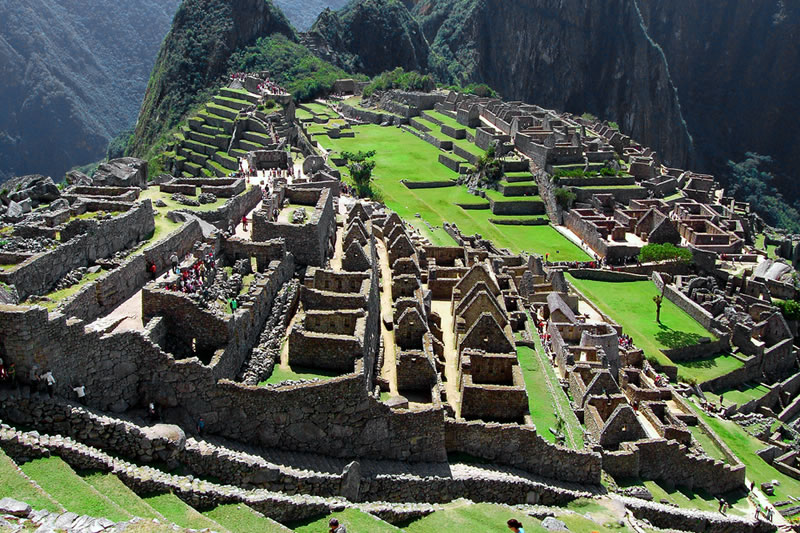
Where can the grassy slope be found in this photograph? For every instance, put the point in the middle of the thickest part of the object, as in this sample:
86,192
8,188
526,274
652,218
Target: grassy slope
116,491
178,512
631,305
418,161
239,518
16,485
62,483
281,374
355,521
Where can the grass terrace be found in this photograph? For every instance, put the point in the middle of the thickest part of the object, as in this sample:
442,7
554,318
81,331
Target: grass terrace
16,485
282,373
688,499
417,161
739,396
447,121
355,521
631,305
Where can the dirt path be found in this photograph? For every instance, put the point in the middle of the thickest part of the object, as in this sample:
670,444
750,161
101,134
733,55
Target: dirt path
442,308
338,252
389,370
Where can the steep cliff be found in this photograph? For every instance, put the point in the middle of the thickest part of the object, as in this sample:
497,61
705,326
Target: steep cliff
303,13
370,37
195,55
72,76
561,54
737,69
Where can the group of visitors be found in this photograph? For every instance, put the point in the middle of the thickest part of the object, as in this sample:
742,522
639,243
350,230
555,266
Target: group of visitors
42,381
238,76
625,341
268,87
192,280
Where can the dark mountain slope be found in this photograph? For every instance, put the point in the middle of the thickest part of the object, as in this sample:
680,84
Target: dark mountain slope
737,69
72,75
303,13
195,55
370,37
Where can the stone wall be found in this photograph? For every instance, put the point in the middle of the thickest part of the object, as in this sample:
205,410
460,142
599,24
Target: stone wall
233,210
683,302
39,274
103,295
522,447
126,369
371,117
675,518
605,275
309,243
517,207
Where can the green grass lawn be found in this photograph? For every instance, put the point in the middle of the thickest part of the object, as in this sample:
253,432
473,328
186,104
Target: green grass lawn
355,521
180,513
447,121
240,518
688,499
281,374
115,490
16,485
631,305
320,109
64,485
418,161
541,403
745,447
747,394
708,445
469,147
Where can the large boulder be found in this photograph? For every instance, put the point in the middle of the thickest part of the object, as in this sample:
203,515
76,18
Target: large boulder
39,189
123,172
75,177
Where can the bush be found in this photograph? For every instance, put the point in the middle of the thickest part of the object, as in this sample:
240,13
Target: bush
565,197
790,309
664,252
400,79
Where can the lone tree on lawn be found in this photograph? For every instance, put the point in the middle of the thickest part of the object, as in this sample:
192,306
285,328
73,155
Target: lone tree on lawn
361,166
659,300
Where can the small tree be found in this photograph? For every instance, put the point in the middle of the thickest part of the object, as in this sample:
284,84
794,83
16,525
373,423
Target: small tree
565,197
659,299
488,167
361,166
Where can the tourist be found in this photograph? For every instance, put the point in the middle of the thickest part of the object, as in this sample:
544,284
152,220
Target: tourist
152,415
336,527
201,425
515,526
50,381
151,268
3,374
80,391
234,305
244,222
34,378
174,260
12,374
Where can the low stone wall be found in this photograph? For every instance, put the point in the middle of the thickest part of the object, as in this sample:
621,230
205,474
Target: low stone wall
683,302
469,156
426,136
605,275
600,181
103,239
427,184
233,210
672,518
523,448
623,196
371,117
517,207
517,222
699,351
450,163
455,133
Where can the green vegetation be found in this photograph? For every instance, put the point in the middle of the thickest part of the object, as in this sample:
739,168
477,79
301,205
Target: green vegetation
294,373
708,445
581,173
687,499
745,447
115,490
790,309
565,197
400,79
664,252
750,182
57,297
360,166
179,513
740,396
16,485
62,483
489,169
630,304
291,64
478,89
240,518
402,156
355,521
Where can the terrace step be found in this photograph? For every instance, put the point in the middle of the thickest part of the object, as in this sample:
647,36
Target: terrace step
119,493
181,514
63,484
231,103
19,486
239,95
222,111
240,518
250,146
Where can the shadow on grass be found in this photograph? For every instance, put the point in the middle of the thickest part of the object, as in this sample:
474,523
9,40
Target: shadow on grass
709,362
672,338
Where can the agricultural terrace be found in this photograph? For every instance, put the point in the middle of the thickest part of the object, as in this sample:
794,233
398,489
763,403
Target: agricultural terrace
630,304
402,156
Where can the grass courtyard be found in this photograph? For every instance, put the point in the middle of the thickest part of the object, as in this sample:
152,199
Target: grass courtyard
402,156
631,305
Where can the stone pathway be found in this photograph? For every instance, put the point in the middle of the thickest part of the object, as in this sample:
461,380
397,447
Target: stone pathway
389,370
442,308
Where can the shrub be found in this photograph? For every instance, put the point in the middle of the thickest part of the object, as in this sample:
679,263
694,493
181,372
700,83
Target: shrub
790,309
565,197
400,79
361,166
664,252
